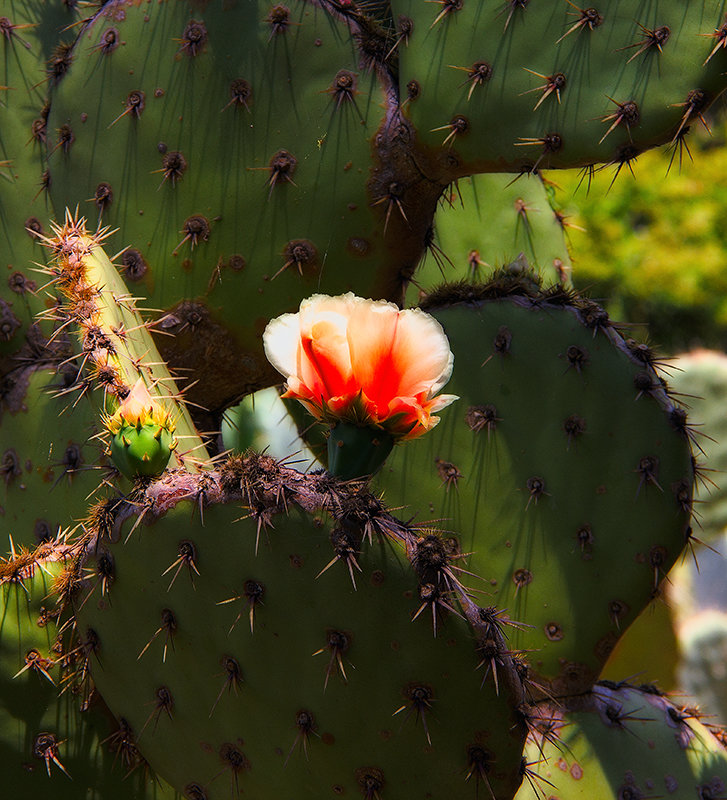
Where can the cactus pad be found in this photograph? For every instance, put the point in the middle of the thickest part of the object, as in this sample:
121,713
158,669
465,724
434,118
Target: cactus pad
564,468
276,652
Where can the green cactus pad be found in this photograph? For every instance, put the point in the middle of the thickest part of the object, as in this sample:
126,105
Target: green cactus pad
510,86
486,221
232,146
31,36
50,460
564,470
55,740
253,658
623,742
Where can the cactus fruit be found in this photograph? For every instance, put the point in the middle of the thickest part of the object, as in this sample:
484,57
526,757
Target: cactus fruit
143,434
563,454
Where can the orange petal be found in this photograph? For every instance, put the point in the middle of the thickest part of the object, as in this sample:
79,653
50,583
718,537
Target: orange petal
372,332
421,356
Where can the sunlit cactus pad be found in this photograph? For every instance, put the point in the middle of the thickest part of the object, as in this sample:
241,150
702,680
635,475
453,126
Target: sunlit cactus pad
516,84
624,742
486,221
564,468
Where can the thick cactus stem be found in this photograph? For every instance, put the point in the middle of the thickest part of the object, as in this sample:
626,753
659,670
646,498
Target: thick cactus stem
117,346
354,452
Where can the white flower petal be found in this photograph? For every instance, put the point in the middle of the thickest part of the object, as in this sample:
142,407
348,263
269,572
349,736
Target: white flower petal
281,340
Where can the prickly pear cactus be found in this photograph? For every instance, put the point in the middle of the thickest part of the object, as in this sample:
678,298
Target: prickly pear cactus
56,735
601,84
254,629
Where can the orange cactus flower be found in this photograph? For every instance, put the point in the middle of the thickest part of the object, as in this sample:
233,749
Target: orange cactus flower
363,361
